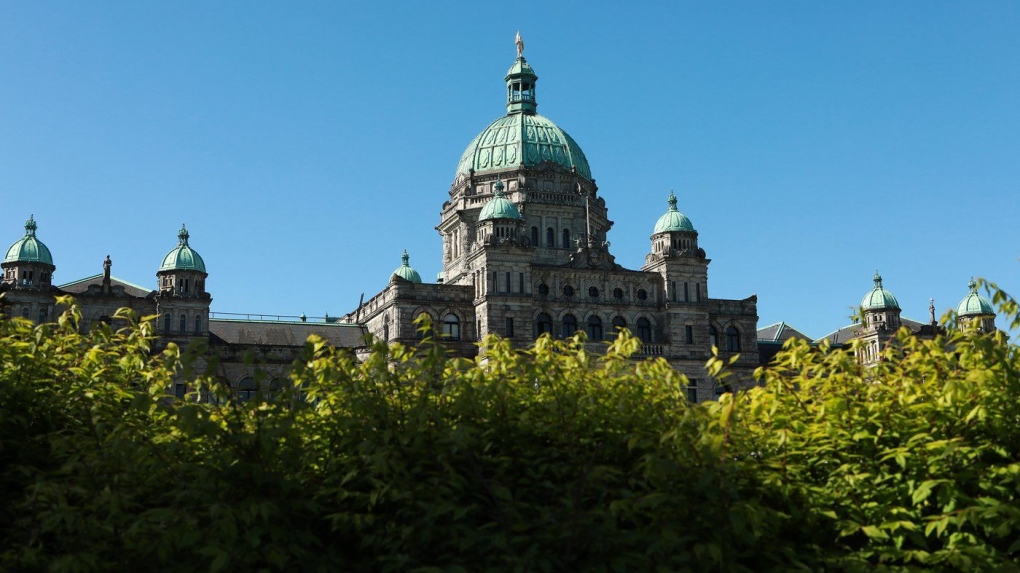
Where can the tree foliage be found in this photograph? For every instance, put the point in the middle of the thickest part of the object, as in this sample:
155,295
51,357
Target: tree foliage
548,459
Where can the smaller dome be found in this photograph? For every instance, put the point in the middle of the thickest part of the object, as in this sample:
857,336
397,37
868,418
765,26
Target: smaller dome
405,271
29,249
879,298
974,304
673,220
183,257
499,207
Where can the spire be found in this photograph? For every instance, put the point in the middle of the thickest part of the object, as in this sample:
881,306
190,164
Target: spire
30,226
405,259
182,235
878,279
520,84
671,200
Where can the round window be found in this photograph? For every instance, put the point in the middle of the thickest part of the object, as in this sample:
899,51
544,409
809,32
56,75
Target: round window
568,290
593,292
642,294
618,293
543,289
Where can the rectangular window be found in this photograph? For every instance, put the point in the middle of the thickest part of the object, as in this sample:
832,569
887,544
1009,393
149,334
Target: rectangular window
495,281
508,283
689,334
692,391
520,276
509,327
697,292
687,292
672,290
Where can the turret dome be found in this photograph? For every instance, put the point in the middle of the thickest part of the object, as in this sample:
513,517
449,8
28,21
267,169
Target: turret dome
879,298
522,137
29,249
405,271
672,220
974,304
499,207
183,257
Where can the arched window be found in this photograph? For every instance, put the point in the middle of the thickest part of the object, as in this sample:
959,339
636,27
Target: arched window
247,389
644,330
732,339
184,323
543,325
566,238
618,324
569,325
550,237
166,322
43,314
422,325
594,328
25,310
451,327
198,324
386,329
713,337
534,236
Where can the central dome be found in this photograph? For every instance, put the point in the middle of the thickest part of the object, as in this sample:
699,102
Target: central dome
522,137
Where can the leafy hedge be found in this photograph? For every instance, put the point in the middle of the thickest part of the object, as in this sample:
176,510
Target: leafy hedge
549,459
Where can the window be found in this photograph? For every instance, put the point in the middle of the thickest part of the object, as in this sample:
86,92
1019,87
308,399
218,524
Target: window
534,236
495,281
618,293
422,325
43,314
594,328
184,324
644,330
25,311
520,282
687,292
593,292
642,294
198,324
697,292
509,330
566,238
247,389
618,324
166,322
569,325
543,325
568,290
732,339
689,334
672,291
543,289
451,327
692,391
713,337
180,391
550,237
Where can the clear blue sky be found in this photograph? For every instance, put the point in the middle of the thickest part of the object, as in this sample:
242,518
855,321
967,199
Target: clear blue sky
306,144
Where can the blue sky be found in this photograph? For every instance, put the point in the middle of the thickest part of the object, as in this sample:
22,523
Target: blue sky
306,144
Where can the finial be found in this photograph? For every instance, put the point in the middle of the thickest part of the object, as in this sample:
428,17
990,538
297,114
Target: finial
972,285
498,186
183,235
878,279
405,258
671,200
520,45
30,226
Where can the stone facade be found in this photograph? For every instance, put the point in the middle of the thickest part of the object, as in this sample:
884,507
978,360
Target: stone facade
544,266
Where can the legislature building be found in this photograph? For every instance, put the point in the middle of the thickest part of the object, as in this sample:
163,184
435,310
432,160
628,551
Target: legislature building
525,253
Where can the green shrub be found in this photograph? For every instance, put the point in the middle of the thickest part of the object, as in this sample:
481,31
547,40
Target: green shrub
549,459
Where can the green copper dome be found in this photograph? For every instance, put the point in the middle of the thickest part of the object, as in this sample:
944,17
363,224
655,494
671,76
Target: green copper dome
974,304
183,257
499,207
522,137
29,249
405,271
673,220
879,298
